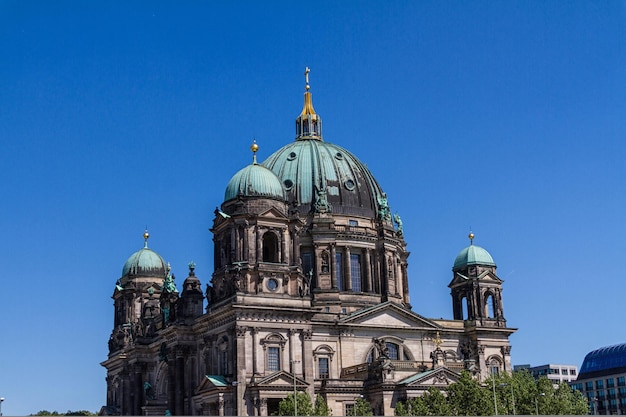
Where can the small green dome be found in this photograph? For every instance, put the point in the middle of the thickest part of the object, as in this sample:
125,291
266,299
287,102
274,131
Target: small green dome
145,262
254,181
473,255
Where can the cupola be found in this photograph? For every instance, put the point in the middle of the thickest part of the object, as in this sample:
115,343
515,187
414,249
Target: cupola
145,262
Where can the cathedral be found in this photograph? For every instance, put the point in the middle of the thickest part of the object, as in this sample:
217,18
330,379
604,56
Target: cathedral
309,293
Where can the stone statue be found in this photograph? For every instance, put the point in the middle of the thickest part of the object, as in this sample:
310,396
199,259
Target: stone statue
384,213
148,391
381,347
321,203
398,220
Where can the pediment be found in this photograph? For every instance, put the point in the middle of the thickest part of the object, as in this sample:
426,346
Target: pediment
389,315
439,377
485,276
272,213
281,379
212,382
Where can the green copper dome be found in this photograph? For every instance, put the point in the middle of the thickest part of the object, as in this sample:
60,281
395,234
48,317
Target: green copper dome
145,262
254,180
310,167
322,177
473,255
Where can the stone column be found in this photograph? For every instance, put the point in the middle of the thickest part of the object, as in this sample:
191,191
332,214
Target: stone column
348,270
240,402
139,392
220,404
255,344
368,271
180,383
259,245
307,361
333,267
284,244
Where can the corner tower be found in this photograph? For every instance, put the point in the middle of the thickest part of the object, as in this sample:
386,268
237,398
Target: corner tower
476,289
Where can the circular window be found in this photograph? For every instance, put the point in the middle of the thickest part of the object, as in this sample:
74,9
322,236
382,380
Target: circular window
272,284
288,184
349,184
291,156
339,155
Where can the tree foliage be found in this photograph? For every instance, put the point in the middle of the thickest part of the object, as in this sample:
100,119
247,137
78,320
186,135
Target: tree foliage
517,393
362,408
305,407
68,413
321,408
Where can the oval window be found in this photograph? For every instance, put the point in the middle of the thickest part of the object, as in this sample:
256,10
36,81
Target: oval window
349,184
288,184
292,156
272,284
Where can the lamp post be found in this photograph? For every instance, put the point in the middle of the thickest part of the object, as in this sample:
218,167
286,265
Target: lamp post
537,405
1,401
295,387
512,395
355,402
493,384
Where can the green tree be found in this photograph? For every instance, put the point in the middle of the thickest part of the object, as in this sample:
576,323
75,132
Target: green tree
305,407
362,408
321,408
467,397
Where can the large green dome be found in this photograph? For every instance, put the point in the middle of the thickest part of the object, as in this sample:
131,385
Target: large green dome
309,166
145,262
254,180
317,174
473,255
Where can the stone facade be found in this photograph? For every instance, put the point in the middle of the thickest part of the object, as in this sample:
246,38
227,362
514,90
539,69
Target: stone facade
306,294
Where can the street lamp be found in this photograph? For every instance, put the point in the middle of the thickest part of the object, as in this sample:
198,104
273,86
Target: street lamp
1,401
536,405
512,395
493,384
355,401
295,389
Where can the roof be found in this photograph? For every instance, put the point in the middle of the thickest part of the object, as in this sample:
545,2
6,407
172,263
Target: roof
254,180
603,360
473,255
145,262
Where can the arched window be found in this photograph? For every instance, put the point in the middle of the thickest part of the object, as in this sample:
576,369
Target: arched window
392,351
489,306
270,247
465,309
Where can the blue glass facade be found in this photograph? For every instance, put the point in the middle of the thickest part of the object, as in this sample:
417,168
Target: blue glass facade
603,359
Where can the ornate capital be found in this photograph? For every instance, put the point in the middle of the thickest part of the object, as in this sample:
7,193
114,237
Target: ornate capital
307,334
240,331
481,349
506,350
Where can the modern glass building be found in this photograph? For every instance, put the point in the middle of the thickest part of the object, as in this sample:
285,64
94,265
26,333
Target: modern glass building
602,379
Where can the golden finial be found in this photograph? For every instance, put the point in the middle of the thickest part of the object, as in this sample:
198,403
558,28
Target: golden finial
254,148
146,236
437,340
306,77
471,237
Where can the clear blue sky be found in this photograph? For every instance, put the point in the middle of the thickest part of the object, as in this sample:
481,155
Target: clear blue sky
507,117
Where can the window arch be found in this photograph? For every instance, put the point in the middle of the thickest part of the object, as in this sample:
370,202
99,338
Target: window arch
273,345
395,349
323,355
490,310
495,364
270,247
